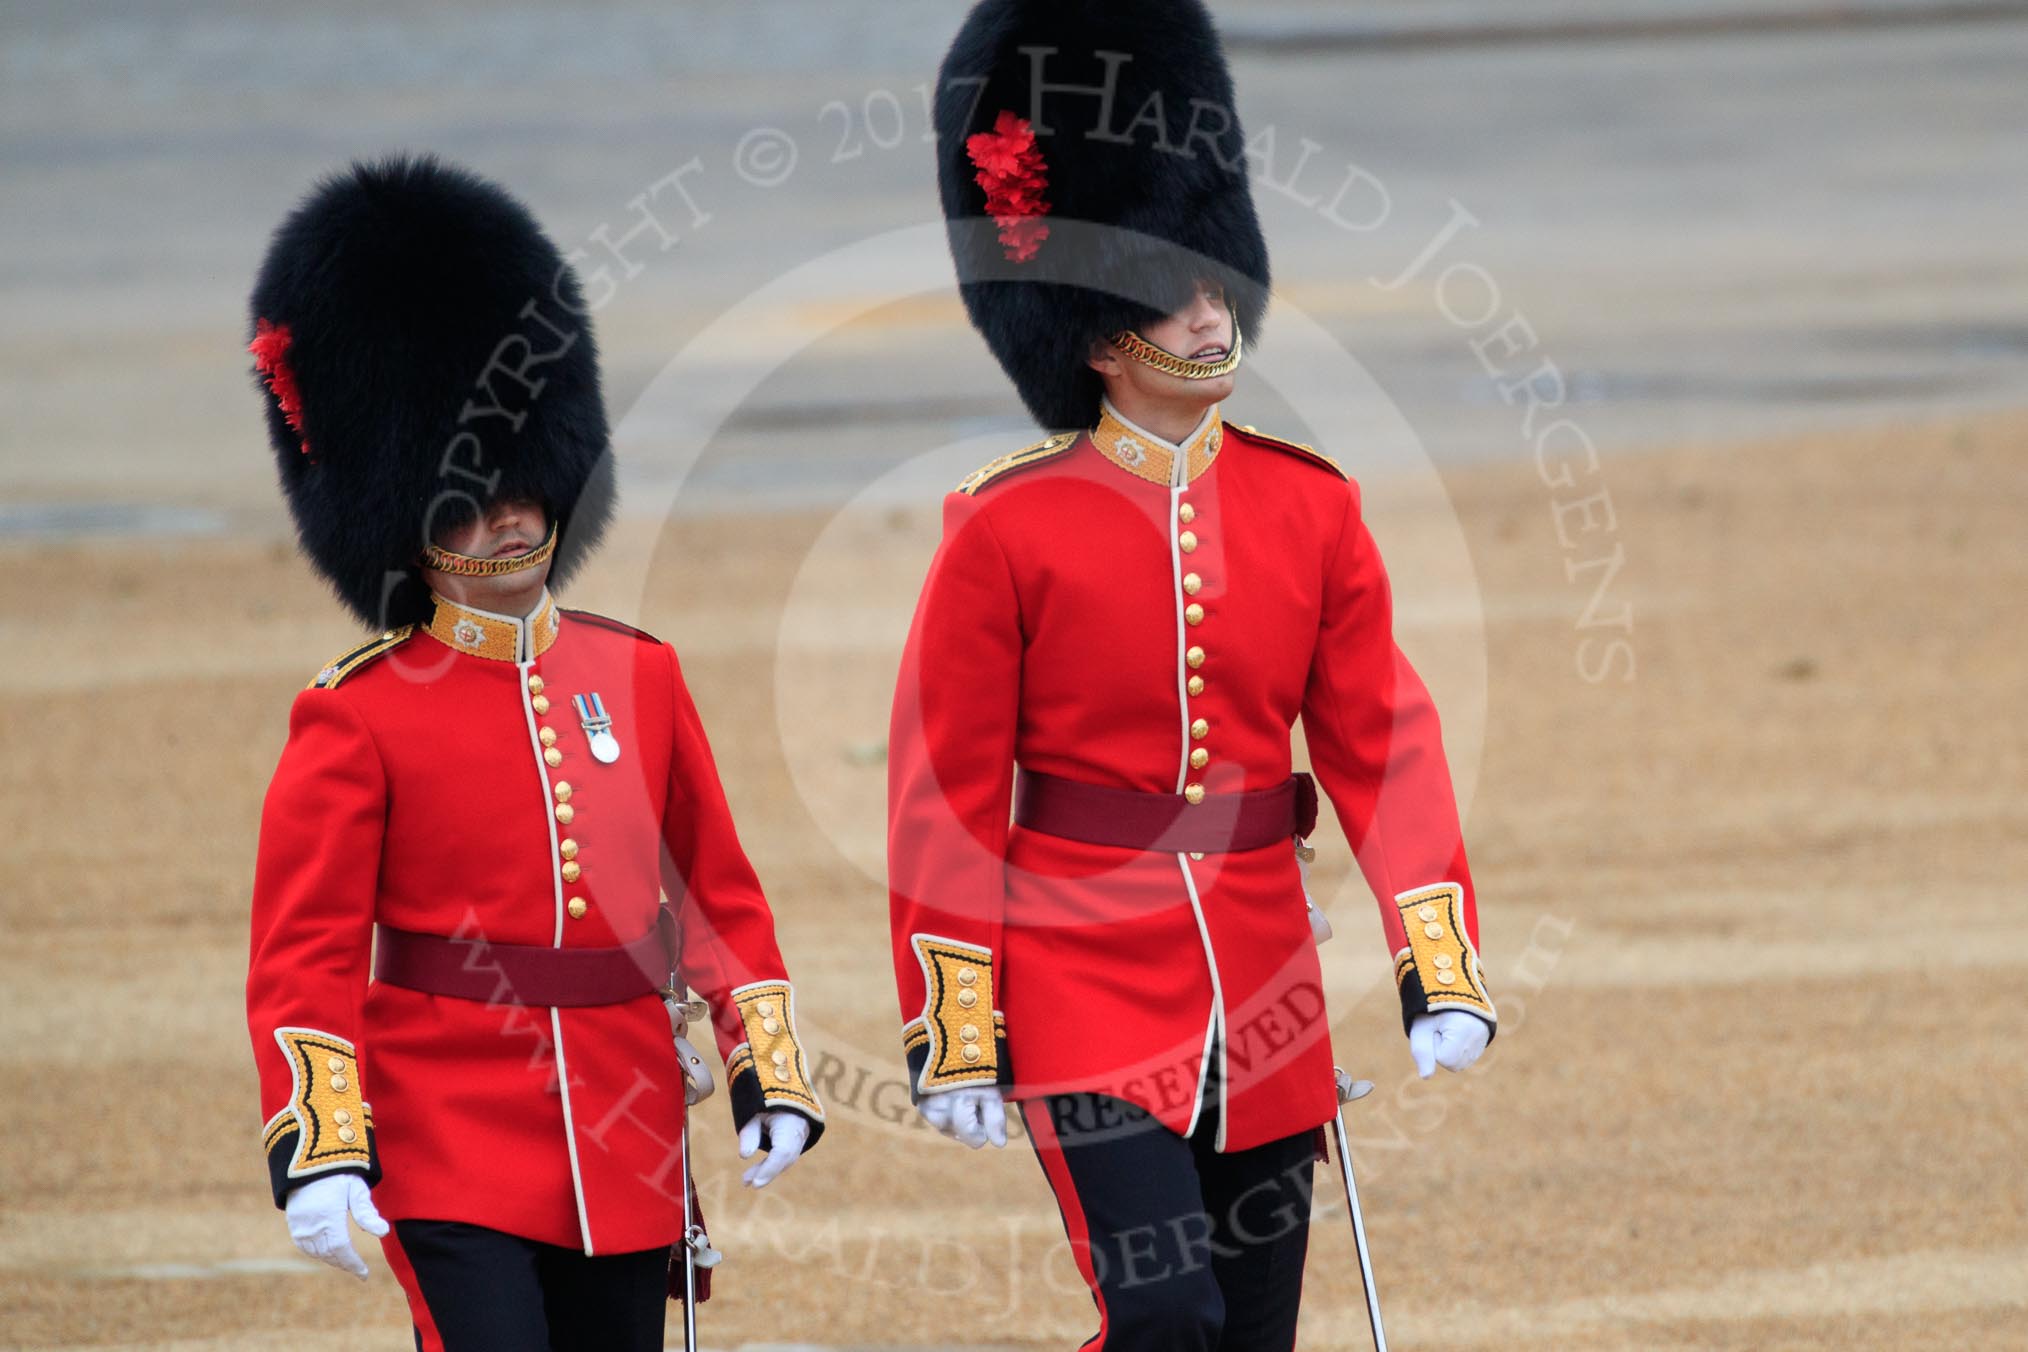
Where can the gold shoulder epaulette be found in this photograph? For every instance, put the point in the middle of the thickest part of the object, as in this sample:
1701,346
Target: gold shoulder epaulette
343,665
1021,459
1296,448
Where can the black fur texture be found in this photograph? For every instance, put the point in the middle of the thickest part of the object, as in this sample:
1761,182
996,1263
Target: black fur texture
445,359
1146,196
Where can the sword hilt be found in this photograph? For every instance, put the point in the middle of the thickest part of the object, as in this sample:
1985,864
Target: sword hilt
1348,1090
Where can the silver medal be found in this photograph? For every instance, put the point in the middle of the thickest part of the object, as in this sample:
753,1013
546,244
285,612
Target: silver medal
598,727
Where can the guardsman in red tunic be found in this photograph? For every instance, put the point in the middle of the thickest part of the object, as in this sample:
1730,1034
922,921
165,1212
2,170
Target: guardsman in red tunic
1095,835
496,849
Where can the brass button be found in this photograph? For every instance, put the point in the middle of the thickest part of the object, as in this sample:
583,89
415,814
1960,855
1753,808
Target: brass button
771,1026
967,977
1197,855
552,757
1442,960
1191,584
1187,541
571,871
1446,978
577,908
347,1135
1425,913
968,997
1195,656
534,684
1193,613
782,1074
1196,685
564,812
1193,794
968,1034
336,1065
341,1117
1433,931
972,1053
1199,758
562,790
567,848
540,704
547,736
1186,513
340,1083
765,1008
780,1057
1199,729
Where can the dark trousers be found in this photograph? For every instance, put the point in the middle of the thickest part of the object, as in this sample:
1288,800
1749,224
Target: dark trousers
1185,1249
471,1289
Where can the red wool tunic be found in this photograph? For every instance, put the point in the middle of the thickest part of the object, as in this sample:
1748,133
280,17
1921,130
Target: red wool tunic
442,781
1112,609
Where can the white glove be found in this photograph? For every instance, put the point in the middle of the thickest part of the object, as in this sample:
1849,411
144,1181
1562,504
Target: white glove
787,1132
1450,1038
317,1212
974,1114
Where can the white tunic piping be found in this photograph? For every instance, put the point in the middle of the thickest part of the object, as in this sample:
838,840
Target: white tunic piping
1214,1032
525,649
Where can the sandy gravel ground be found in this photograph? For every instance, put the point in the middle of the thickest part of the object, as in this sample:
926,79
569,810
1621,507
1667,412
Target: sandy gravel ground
1755,914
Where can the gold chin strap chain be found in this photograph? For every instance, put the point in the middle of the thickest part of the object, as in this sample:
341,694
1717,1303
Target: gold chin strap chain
464,565
1145,352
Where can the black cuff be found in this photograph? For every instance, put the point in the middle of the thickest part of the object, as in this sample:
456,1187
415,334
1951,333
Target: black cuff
282,1152
1413,1003
917,1051
744,1090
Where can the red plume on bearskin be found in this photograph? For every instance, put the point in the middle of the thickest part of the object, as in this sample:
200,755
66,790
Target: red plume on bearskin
270,349
1014,177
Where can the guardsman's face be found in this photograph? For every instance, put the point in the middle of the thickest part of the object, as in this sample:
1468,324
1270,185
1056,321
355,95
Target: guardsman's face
504,529
1201,331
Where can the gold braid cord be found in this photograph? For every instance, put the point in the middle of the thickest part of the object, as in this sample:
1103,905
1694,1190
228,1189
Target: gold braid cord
464,565
1145,352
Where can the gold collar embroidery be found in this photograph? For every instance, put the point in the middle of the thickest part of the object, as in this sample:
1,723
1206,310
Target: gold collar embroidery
498,638
1143,454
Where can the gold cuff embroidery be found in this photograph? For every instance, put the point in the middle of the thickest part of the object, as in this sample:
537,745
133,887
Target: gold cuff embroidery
326,1109
767,1013
1438,952
958,1020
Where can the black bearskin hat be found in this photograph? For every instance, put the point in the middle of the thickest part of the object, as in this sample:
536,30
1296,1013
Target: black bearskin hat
1093,170
424,350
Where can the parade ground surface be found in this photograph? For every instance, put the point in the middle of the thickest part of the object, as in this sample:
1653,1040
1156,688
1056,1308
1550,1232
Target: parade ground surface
1736,709
1755,915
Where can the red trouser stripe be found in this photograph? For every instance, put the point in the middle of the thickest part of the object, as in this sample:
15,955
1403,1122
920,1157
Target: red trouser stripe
1042,1132
418,1311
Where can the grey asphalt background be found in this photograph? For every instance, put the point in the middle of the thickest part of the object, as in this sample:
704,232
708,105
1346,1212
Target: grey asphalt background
1716,219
